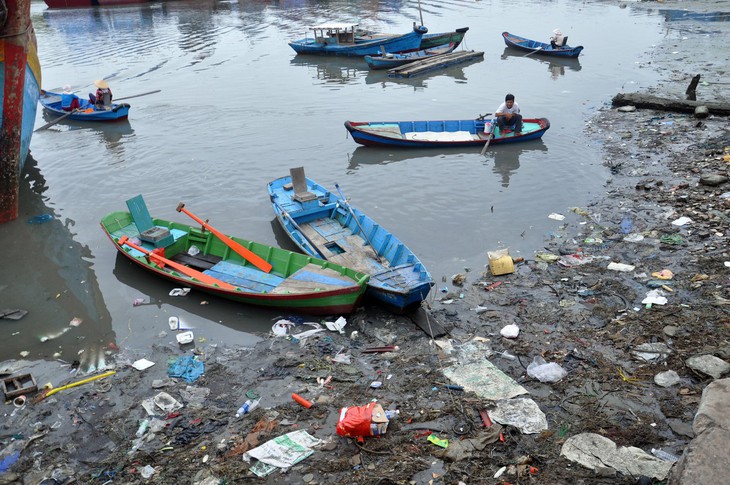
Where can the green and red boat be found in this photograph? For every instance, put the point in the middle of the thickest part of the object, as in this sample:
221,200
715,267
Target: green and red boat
203,258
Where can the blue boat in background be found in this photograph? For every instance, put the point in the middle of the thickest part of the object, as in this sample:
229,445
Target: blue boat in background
51,102
441,133
540,48
326,226
31,93
340,39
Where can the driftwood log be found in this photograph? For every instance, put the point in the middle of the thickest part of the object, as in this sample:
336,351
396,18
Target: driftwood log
647,101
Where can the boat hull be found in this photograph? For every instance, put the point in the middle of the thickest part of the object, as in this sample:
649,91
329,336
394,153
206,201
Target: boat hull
411,40
439,134
330,289
539,48
430,41
31,94
89,3
324,228
51,102
391,60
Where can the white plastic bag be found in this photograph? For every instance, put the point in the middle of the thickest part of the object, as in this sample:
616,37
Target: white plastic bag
545,372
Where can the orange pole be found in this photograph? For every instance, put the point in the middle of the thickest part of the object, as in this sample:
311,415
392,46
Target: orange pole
14,41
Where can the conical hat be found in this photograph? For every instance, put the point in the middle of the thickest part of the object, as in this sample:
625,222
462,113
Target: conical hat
100,83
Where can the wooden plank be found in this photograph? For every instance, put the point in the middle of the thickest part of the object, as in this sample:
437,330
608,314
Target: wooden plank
356,254
245,277
648,101
436,62
199,261
427,323
313,278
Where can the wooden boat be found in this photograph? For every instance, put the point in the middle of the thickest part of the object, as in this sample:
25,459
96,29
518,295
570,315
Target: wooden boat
30,91
89,3
295,282
51,102
440,134
429,41
324,225
391,60
339,39
540,48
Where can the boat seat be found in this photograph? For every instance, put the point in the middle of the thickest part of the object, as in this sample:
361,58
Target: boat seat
299,182
159,237
565,41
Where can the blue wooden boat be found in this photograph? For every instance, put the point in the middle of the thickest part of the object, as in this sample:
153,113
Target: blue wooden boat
391,60
324,225
440,134
540,48
51,102
340,39
31,93
429,41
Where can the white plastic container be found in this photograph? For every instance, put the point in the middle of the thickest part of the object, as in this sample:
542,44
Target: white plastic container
184,337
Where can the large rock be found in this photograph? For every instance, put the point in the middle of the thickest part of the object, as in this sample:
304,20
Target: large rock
701,461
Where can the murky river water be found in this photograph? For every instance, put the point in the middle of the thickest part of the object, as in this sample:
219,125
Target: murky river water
237,109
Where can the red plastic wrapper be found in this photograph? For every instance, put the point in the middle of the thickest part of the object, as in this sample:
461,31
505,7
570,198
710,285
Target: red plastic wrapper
368,420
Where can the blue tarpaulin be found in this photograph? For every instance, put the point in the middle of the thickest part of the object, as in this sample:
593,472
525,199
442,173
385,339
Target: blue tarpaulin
186,367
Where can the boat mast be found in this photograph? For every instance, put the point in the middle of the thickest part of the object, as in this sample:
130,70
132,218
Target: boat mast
420,13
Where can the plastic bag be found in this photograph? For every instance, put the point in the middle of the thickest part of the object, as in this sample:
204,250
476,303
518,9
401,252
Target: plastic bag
545,372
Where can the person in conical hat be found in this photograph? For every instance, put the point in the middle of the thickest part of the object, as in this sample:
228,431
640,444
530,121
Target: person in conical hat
103,97
557,40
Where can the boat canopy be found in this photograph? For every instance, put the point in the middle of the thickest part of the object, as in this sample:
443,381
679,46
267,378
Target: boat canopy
334,26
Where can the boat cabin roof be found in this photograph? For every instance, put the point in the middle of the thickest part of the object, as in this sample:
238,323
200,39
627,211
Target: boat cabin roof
334,26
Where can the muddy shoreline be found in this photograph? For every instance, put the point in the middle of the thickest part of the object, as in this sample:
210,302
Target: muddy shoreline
569,307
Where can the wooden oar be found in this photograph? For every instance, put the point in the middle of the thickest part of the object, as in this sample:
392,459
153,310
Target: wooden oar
296,226
51,123
246,254
138,95
489,136
179,267
352,213
530,53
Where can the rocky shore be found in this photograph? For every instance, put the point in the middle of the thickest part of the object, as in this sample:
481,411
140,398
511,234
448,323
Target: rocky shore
622,323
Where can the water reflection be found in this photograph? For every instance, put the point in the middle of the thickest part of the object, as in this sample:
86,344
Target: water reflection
48,273
384,156
332,70
111,135
556,66
507,158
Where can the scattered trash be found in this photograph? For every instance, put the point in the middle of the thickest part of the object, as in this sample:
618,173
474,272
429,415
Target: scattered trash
500,262
49,392
376,384
40,219
634,238
302,401
174,323
387,348
19,401
485,380
362,421
544,371
282,452
555,216
166,402
337,325
654,297
179,291
147,471
595,452
443,443
138,301
510,331
194,250
185,337
247,407
626,268
18,385
522,413
664,274
75,322
187,367
663,455
651,352
142,364
681,221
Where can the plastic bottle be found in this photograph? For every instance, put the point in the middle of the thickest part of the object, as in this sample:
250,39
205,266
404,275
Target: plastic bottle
143,427
40,219
247,407
663,455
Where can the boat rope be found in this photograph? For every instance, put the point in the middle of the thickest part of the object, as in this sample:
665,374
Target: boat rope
3,13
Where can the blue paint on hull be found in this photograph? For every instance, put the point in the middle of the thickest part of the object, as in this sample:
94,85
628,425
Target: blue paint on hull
539,48
31,94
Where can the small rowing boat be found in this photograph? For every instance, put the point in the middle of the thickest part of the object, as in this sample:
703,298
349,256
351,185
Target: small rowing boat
390,60
440,134
340,39
540,48
51,102
230,267
326,226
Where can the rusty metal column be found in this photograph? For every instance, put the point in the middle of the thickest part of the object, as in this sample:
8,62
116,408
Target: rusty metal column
14,33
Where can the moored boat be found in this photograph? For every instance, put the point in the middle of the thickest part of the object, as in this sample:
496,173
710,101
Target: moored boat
230,267
440,133
340,39
391,60
30,92
429,41
540,48
326,226
51,102
89,3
